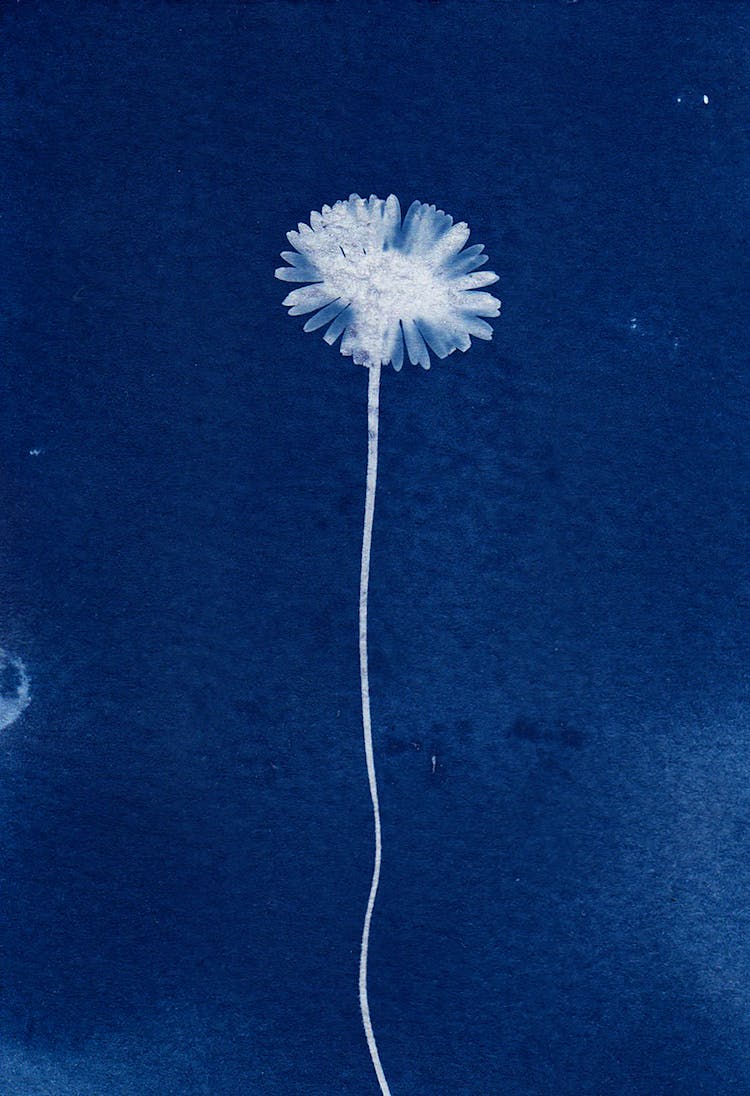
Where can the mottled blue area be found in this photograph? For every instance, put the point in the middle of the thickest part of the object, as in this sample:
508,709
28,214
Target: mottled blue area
560,572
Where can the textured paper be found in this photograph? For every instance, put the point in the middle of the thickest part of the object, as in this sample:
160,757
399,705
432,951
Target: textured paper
558,630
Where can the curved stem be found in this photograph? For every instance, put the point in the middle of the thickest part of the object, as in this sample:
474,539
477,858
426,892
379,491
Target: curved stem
373,402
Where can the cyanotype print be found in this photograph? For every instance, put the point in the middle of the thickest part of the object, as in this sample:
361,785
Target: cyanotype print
374,694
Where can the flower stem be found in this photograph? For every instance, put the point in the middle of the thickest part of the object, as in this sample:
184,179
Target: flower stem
373,407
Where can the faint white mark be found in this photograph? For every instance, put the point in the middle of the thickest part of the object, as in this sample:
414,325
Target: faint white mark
705,100
15,694
35,452
434,763
679,98
633,323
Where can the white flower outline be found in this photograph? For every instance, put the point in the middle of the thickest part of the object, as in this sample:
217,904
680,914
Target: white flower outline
379,283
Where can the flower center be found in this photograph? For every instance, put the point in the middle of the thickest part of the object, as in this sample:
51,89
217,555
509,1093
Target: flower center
388,283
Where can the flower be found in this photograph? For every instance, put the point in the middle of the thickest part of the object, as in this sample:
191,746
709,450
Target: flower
379,283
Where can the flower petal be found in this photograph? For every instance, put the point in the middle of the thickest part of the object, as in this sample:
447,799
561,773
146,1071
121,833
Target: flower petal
304,242
396,352
423,227
476,280
339,324
450,244
391,221
349,341
308,298
468,259
330,312
478,328
415,344
443,339
297,274
294,258
481,304
303,265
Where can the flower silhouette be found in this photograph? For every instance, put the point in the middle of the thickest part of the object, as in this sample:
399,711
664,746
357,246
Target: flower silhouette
379,283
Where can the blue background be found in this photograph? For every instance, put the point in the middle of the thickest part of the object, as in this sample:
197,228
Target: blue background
560,576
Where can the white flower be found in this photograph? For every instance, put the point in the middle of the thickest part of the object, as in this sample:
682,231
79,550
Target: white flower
380,283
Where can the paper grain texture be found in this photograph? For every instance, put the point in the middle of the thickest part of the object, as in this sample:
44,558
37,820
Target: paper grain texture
559,583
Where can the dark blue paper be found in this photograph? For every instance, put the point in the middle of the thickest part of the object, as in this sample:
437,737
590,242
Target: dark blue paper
559,590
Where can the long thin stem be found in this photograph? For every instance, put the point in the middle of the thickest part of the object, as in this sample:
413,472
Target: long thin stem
373,407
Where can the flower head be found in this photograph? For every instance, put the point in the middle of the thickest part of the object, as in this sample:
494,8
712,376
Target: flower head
380,283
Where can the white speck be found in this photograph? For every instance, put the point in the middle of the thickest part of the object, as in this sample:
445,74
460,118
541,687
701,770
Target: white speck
434,764
705,99
633,323
34,452
679,98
